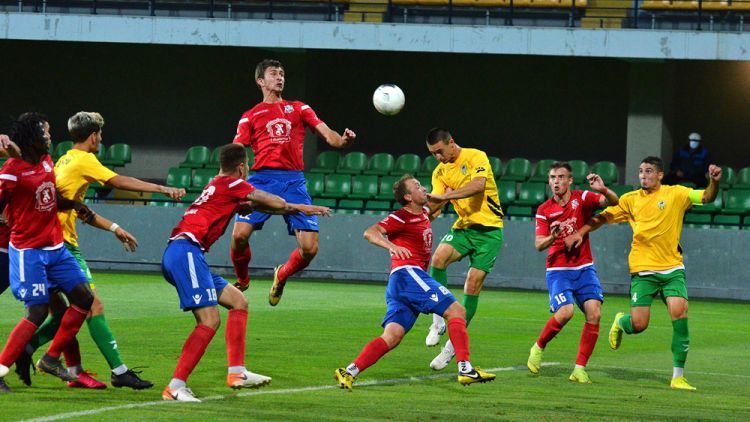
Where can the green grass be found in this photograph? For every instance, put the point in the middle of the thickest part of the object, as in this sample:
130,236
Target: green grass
320,326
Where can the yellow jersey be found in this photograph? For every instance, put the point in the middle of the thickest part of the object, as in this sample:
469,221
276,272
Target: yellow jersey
656,220
74,171
482,208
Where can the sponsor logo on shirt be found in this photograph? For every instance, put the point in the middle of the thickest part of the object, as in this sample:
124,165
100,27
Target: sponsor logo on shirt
555,214
260,112
28,173
568,227
45,197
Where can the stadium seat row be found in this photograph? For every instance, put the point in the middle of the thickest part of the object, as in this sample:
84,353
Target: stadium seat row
720,5
201,156
117,155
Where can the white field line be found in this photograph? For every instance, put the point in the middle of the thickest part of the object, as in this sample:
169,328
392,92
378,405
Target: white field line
266,392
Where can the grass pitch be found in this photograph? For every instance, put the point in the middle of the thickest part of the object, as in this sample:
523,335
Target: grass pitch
320,326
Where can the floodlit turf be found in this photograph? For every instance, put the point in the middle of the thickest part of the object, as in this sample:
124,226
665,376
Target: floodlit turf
320,326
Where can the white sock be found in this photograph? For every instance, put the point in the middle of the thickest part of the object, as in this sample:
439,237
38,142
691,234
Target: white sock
464,366
677,372
579,366
120,369
237,369
177,384
437,320
75,370
352,369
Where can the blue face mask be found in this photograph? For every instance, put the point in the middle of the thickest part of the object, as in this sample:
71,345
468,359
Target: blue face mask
694,144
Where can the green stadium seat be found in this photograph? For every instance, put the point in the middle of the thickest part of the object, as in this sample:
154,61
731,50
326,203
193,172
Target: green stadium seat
337,186
731,222
385,190
507,192
428,165
117,155
427,185
61,149
517,170
213,160
407,164
364,186
352,163
742,181
102,153
580,170
727,177
380,164
607,170
201,179
179,177
496,165
315,184
324,202
326,162
161,200
746,222
620,190
738,202
188,199
531,194
351,205
378,207
520,213
541,171
687,184
697,219
711,208
196,157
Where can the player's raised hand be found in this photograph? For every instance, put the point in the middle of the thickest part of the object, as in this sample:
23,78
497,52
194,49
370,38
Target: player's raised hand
9,146
436,199
174,193
129,242
714,172
555,228
400,252
596,182
314,210
573,241
348,137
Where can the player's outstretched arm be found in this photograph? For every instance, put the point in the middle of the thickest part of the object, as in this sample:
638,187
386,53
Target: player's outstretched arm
543,242
8,148
274,204
472,188
333,138
714,174
375,234
137,185
596,183
574,240
129,242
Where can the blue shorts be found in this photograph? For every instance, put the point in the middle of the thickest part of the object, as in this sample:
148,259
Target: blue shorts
34,272
567,285
290,185
411,291
4,276
184,266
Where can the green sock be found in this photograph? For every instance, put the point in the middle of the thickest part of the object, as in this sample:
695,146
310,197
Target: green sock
680,342
440,275
46,332
470,303
626,324
104,339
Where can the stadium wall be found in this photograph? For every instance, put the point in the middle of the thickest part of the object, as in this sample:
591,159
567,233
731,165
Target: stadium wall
712,257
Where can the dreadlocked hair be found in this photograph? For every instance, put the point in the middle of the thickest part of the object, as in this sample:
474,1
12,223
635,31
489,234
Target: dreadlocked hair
28,128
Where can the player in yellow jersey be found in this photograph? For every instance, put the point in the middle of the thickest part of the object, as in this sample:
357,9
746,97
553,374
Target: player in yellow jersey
463,177
655,213
75,171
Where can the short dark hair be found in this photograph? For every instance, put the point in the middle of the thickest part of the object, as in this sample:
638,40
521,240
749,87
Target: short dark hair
231,156
437,134
654,161
260,68
561,165
400,189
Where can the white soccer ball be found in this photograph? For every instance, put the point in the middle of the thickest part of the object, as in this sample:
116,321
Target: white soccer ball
388,99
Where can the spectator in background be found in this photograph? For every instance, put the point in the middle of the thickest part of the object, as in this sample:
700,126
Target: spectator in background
690,163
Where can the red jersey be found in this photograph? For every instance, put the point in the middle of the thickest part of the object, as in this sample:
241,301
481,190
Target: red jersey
209,215
29,190
413,232
579,209
276,133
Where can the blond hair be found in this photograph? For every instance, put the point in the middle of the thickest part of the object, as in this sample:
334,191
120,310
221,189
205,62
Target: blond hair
82,124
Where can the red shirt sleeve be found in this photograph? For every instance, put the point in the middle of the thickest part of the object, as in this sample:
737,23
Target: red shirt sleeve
7,182
243,131
242,189
591,199
392,224
309,118
542,225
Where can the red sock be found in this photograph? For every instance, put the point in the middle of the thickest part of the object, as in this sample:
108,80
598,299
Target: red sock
589,335
235,337
69,326
17,341
459,338
295,264
72,354
373,351
241,260
549,332
193,350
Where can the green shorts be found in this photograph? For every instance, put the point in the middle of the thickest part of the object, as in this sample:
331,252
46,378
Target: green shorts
482,245
76,252
643,288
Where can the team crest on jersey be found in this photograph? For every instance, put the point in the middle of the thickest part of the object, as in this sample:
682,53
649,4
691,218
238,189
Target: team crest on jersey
45,197
47,167
661,205
288,108
279,130
464,169
574,203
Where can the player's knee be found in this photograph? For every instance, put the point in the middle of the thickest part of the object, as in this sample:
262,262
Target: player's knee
308,252
392,339
212,321
239,240
456,310
240,303
97,307
639,325
564,314
81,296
36,314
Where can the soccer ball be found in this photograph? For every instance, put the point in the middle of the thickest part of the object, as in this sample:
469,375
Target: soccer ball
388,99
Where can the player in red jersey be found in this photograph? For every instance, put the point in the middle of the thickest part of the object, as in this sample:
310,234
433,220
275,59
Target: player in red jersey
185,267
275,130
571,276
407,235
38,262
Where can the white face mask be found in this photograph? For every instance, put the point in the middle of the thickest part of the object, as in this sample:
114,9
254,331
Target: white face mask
694,144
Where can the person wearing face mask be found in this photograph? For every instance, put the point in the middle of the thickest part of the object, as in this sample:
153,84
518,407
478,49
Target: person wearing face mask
690,163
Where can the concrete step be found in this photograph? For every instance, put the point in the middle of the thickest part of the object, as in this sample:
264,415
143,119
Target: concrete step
590,22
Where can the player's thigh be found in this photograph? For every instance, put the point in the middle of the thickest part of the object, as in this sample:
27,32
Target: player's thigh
474,281
592,308
452,247
185,267
64,271
307,240
230,297
398,312
393,333
296,193
677,306
643,288
76,252
486,246
587,286
421,291
674,284
560,290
